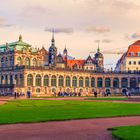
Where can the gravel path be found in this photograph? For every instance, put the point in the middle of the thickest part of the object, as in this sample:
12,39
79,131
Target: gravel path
88,129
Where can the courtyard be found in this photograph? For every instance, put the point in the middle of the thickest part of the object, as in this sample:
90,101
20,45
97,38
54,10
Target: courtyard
69,118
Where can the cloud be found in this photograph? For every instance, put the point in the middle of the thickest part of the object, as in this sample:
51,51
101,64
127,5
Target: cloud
97,29
4,22
60,30
103,41
106,41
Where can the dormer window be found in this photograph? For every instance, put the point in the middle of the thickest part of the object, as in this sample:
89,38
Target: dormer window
131,53
138,53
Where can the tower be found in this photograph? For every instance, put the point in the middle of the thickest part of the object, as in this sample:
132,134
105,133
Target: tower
52,52
65,55
99,60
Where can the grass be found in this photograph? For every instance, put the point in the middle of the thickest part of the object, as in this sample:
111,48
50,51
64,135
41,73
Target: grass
23,111
108,98
127,132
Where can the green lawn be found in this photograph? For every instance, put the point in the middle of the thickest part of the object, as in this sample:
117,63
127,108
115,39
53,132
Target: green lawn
127,132
17,111
108,98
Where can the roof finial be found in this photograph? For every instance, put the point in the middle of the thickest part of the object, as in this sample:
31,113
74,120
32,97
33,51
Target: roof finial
53,40
98,50
20,37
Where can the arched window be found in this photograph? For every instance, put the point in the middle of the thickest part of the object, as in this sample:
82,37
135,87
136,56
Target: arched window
27,61
92,82
100,82
115,83
38,80
21,80
11,61
6,62
81,82
124,83
46,80
29,80
53,81
6,79
133,83
61,81
67,81
11,79
16,78
74,81
107,82
87,82
2,62
34,62
19,61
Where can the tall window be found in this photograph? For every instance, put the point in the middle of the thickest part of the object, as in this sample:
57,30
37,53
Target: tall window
29,80
21,80
19,61
6,62
2,62
67,81
107,82
74,81
87,82
34,62
133,82
46,80
81,82
115,83
11,61
124,83
61,81
92,82
100,83
16,78
11,79
6,79
53,81
27,61
38,80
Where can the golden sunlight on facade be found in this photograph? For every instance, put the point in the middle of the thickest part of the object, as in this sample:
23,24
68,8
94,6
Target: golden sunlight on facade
45,72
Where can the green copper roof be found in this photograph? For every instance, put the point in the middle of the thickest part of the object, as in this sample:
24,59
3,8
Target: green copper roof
18,44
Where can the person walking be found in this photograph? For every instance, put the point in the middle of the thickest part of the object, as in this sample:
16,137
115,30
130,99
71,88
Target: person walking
15,95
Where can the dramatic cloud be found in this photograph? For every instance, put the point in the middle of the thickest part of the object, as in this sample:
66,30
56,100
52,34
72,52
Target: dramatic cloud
97,29
60,30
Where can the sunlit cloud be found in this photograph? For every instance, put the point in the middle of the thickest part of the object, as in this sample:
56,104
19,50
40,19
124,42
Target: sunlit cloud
97,29
60,30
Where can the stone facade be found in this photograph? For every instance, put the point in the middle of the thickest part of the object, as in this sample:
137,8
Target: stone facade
24,68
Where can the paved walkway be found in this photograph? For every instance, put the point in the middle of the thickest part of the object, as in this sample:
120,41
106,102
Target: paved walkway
89,129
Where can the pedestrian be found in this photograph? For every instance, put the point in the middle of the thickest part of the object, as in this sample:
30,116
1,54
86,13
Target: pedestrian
15,95
95,94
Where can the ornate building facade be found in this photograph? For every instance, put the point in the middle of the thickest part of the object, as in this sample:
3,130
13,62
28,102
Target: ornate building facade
24,68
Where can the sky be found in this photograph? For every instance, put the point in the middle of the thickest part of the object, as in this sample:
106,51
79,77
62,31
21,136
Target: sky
78,25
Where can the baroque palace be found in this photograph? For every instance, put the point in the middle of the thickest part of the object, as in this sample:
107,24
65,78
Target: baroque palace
42,72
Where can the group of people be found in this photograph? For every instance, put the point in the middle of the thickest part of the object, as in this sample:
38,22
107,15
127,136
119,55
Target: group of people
67,94
21,94
102,93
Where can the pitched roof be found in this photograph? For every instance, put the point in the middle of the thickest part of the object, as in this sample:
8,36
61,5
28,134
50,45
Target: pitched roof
134,48
79,63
